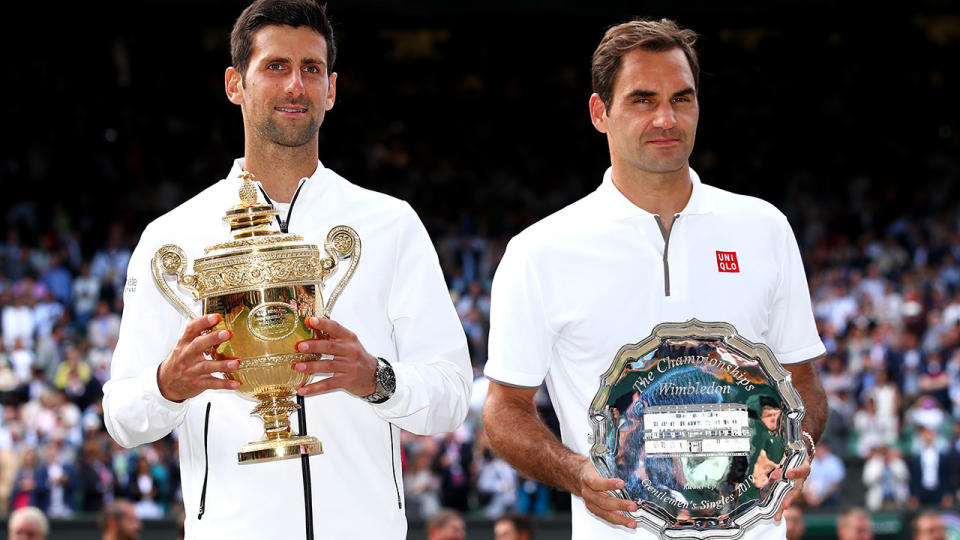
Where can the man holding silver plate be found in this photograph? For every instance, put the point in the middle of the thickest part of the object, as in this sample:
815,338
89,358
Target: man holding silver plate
670,321
367,341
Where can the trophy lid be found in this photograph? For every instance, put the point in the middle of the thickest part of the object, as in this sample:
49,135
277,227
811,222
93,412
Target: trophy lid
252,226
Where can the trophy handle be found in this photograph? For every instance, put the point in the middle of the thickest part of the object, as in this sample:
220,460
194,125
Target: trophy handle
342,243
170,260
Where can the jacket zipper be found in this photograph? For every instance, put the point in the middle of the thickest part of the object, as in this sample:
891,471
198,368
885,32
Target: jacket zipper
302,414
393,466
666,248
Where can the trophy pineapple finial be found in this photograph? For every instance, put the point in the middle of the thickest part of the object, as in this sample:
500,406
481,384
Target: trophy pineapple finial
248,192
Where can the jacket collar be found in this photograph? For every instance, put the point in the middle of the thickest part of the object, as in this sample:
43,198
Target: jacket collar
233,177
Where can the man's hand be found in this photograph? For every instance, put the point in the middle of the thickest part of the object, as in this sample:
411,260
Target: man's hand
187,371
352,367
799,476
593,490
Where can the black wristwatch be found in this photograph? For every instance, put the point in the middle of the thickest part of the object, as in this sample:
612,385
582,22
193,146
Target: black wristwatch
386,383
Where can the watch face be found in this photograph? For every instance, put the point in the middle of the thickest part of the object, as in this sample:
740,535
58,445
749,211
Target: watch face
387,378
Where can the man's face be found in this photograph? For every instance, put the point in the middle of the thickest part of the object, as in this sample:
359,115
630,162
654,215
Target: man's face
25,529
769,416
128,524
505,530
455,529
856,528
651,122
286,90
930,528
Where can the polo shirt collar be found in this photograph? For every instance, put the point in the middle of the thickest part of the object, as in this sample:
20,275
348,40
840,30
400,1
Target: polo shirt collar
617,206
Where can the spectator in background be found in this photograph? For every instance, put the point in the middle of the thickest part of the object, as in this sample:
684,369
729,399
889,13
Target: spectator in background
109,264
30,485
513,527
95,477
854,524
496,484
119,521
86,294
144,488
928,472
826,477
18,322
420,481
104,328
61,481
886,479
929,526
21,360
454,462
446,524
46,312
796,526
28,523
873,429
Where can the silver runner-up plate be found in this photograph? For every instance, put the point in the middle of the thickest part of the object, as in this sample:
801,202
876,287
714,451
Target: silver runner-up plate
701,425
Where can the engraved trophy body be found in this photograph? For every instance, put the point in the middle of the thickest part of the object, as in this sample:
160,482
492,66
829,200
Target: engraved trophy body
701,424
263,284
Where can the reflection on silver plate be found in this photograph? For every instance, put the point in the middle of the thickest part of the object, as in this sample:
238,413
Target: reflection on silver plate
701,425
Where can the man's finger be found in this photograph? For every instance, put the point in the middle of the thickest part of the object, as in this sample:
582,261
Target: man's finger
322,366
802,471
614,517
323,346
207,341
209,382
330,326
605,501
599,483
196,326
330,383
218,366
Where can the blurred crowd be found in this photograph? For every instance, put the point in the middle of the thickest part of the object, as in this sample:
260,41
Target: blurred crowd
877,219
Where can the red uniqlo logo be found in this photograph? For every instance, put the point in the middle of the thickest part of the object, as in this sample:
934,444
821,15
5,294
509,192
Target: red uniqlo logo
727,261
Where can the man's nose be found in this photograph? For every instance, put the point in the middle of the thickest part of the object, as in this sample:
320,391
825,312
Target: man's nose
665,118
295,83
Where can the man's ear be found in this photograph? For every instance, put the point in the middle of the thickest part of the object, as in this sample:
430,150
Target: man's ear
233,84
598,113
331,92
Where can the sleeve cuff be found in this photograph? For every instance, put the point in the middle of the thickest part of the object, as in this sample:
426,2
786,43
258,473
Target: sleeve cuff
397,403
151,393
509,377
802,355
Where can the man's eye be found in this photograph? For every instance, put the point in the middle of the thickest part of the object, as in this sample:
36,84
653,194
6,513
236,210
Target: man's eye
312,69
681,99
275,67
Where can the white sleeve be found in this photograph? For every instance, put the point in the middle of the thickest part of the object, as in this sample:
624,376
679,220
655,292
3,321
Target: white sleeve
433,367
521,339
793,331
134,411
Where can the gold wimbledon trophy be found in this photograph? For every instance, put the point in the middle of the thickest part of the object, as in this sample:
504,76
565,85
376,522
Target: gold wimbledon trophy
263,284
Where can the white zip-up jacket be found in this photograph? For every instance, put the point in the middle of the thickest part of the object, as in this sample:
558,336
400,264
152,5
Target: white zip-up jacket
396,303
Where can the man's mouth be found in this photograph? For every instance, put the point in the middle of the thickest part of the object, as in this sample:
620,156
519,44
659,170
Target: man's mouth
291,109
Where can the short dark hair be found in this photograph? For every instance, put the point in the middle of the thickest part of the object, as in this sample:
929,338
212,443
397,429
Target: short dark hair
280,13
649,35
520,522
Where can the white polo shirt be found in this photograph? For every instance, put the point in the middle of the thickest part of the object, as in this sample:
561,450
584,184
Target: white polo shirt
575,287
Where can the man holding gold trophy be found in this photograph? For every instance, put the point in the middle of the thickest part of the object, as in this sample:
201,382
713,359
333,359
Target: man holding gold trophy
661,313
338,318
